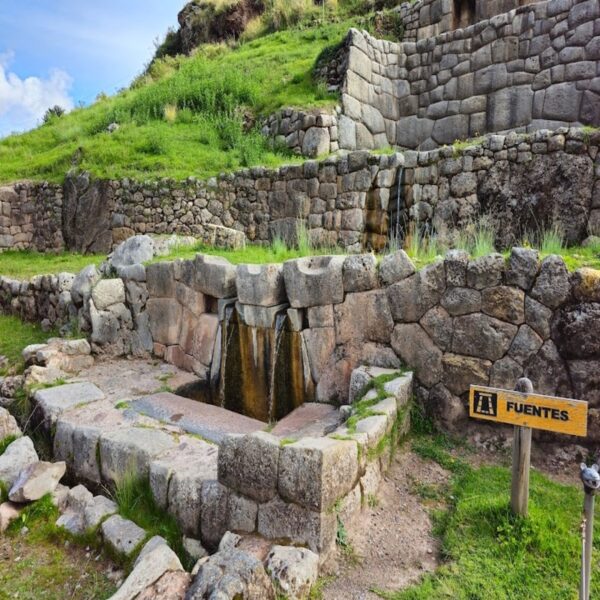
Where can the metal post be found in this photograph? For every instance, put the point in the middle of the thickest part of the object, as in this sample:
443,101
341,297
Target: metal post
591,484
521,460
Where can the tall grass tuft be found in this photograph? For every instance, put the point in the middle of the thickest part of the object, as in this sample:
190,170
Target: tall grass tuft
136,502
552,240
170,112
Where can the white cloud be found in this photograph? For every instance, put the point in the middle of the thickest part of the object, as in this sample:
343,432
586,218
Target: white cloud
23,102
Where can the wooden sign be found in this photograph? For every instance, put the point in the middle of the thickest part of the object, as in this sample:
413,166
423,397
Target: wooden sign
561,415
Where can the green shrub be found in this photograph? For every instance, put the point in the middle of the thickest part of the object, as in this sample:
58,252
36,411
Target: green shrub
55,112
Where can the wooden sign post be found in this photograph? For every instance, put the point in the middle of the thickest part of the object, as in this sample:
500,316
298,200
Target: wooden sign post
526,411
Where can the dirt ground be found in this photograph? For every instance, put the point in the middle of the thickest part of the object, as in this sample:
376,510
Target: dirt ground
392,544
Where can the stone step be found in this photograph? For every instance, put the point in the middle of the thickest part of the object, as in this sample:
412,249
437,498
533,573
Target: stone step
309,420
211,422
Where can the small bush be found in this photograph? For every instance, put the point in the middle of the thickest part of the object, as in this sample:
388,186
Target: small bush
283,14
53,113
170,111
170,46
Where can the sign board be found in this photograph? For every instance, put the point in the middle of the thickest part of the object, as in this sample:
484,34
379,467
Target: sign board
561,415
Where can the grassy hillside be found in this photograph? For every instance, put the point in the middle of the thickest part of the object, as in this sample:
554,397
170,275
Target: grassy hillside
185,117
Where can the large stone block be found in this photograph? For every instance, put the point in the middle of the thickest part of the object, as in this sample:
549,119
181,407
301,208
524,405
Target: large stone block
160,279
314,281
215,276
461,301
486,271
164,320
121,535
295,570
460,372
552,286
108,292
523,267
316,472
417,350
130,450
505,303
260,285
395,267
18,456
50,403
360,273
320,345
213,520
249,465
363,316
411,298
279,520
576,331
482,336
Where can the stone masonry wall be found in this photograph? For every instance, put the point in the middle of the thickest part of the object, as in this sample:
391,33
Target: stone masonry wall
30,217
456,322
308,133
524,183
342,201
428,18
534,67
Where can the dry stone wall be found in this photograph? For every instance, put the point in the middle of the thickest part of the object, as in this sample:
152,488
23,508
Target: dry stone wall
534,67
524,184
342,200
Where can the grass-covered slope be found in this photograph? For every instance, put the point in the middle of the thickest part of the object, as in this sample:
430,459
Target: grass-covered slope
185,117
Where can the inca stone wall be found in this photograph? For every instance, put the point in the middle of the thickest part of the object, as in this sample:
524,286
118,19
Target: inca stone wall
342,200
524,183
455,322
427,18
534,67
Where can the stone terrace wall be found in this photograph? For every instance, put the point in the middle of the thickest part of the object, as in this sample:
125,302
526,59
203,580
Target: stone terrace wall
30,217
456,322
428,18
342,200
525,183
534,67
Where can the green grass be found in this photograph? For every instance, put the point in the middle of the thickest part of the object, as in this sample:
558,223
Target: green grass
251,254
136,502
203,136
50,565
490,554
6,442
24,264
15,335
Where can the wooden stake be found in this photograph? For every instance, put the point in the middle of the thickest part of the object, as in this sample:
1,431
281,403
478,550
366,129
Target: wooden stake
521,460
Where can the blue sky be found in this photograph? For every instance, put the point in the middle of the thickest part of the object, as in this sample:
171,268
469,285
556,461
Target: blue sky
67,51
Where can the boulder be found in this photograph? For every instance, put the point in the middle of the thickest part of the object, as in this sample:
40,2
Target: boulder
548,372
363,317
148,570
316,142
538,317
526,343
448,411
231,575
121,535
586,285
8,425
18,456
160,280
439,326
293,570
108,292
260,285
9,512
173,585
97,511
314,280
485,271
395,267
460,372
505,373
215,276
505,303
36,480
456,262
461,301
136,250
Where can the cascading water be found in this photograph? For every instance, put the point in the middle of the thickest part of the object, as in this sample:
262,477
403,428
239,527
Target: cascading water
262,373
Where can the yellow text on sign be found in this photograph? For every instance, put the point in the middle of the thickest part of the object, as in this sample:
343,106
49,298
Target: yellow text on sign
561,415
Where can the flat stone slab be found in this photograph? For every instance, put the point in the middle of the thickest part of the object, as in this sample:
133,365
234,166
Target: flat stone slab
309,420
52,402
211,422
122,380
